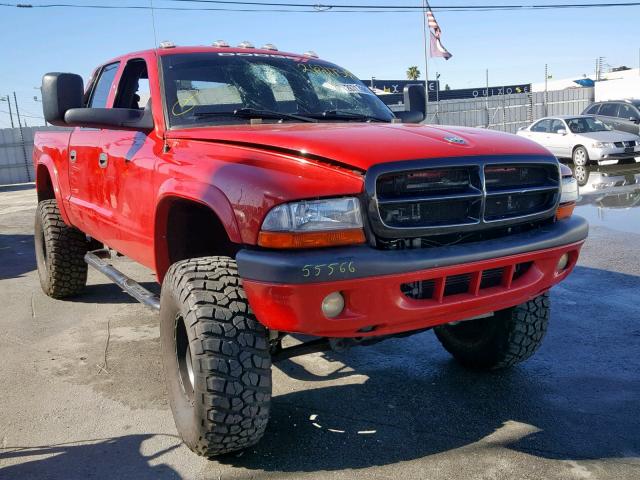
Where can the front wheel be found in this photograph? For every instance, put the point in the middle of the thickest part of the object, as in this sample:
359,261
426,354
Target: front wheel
580,156
215,356
508,337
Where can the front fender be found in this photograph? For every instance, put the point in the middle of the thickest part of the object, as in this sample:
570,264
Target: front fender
197,192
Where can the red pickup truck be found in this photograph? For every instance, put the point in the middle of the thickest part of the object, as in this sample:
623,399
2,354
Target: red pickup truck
273,193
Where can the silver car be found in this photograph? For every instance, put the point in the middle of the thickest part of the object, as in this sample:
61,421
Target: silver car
583,138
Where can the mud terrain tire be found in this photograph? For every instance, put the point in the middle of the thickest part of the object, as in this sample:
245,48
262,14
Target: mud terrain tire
508,337
60,253
215,356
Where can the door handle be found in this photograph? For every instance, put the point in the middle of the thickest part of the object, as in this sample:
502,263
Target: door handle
73,156
103,160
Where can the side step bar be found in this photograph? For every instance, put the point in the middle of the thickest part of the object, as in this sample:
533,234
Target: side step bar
96,259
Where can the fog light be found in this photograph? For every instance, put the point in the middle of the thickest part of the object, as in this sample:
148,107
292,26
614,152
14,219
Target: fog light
563,262
333,304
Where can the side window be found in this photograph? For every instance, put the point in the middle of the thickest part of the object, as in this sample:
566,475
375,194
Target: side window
592,110
100,92
543,126
133,90
609,110
627,112
557,125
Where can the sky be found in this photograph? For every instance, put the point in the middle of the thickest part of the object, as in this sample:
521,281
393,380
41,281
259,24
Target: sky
514,46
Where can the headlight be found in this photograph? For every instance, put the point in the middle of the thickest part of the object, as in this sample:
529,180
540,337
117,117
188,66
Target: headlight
313,223
603,145
568,197
569,190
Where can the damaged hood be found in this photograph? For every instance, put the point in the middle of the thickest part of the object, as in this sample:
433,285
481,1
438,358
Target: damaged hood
361,145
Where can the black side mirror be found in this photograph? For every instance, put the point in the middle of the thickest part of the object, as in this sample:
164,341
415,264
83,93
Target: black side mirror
60,92
414,104
634,119
118,118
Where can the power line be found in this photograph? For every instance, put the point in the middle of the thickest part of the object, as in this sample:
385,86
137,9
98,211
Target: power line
288,7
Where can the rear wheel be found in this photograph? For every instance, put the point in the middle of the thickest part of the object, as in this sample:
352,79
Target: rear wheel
215,356
60,251
580,156
500,341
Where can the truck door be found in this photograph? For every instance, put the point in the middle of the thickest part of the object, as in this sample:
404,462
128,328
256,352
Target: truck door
86,166
128,185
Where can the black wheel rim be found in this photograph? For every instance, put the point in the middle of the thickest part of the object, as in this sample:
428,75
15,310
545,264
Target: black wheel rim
184,358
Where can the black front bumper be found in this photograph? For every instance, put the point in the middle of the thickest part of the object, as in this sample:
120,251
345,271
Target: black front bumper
346,263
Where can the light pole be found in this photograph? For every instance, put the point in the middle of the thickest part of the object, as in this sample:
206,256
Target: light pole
8,100
437,98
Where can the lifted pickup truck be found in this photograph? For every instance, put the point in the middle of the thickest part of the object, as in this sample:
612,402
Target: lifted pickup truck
273,193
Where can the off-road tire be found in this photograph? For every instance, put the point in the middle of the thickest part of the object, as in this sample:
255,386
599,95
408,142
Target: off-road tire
580,156
60,251
226,407
500,341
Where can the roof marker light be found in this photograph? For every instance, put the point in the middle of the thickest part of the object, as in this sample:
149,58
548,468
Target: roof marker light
167,44
310,53
245,44
270,46
220,44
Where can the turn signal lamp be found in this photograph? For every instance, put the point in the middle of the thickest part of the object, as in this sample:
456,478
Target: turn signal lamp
313,224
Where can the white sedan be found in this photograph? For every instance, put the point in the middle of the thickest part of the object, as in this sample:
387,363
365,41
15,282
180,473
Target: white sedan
582,138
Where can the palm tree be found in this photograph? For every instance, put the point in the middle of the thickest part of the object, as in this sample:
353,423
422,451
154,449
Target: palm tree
413,73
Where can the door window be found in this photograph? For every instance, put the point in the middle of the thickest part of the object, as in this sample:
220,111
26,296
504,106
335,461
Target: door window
557,125
103,86
609,110
627,112
133,90
592,110
543,126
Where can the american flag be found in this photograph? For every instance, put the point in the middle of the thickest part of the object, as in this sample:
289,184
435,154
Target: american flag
437,49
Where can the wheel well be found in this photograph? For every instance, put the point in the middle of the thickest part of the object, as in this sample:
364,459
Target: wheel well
189,229
576,147
44,185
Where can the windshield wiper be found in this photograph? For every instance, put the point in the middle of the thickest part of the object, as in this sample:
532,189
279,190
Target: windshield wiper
345,115
253,113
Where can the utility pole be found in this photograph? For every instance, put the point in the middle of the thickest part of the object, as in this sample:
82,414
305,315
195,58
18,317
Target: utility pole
546,81
7,99
24,148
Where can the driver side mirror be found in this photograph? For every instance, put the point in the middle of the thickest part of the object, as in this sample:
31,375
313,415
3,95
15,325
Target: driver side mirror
60,92
562,131
634,119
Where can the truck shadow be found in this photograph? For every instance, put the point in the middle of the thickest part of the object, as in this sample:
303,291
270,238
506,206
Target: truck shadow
16,255
101,459
577,399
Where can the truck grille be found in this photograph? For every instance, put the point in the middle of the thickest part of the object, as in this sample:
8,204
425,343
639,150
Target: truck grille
438,198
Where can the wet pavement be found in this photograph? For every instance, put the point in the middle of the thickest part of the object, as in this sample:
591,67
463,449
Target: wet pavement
610,195
399,409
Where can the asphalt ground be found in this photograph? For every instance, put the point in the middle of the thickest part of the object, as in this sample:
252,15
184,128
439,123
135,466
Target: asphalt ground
72,409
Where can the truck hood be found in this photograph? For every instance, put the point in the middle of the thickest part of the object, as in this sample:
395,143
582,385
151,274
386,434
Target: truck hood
361,145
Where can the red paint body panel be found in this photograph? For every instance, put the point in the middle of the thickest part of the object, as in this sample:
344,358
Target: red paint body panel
378,301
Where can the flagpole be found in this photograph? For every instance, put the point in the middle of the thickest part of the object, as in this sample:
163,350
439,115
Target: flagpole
425,5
